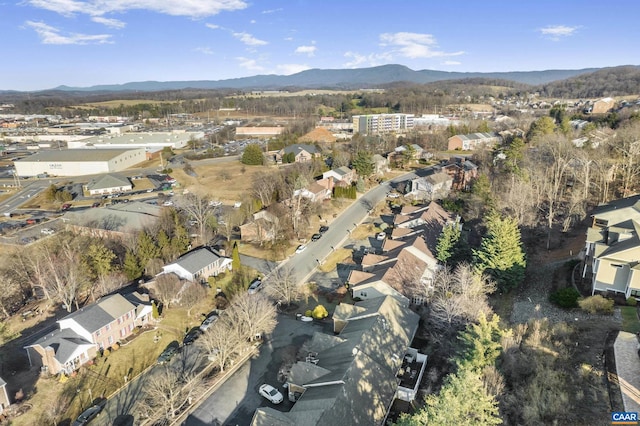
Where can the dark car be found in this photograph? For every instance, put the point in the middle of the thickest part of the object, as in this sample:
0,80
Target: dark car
96,204
316,237
169,352
87,415
191,336
323,229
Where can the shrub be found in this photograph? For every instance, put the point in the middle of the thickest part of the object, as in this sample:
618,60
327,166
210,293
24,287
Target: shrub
307,313
597,304
320,312
106,352
565,298
115,346
632,301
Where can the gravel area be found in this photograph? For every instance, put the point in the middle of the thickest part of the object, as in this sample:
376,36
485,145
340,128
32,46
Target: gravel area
532,300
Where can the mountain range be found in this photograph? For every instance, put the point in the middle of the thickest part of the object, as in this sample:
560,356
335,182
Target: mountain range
338,79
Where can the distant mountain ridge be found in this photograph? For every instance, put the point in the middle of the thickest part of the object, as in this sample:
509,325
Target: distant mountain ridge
337,79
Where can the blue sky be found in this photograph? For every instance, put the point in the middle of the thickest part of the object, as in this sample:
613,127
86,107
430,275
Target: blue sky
82,43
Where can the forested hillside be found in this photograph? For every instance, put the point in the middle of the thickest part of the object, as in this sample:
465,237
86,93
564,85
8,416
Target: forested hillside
617,81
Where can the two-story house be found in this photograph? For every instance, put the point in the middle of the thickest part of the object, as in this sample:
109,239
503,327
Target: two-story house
432,187
301,153
96,326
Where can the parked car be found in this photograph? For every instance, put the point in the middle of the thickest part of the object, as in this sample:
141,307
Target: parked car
316,237
381,236
169,352
255,286
301,248
191,336
393,195
271,393
323,229
167,203
96,204
47,231
208,322
87,415
65,206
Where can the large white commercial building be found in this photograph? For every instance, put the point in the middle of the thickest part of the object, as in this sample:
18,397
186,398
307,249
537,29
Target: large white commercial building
78,162
175,140
382,123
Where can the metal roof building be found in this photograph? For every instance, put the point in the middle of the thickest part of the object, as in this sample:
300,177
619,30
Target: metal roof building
79,162
175,140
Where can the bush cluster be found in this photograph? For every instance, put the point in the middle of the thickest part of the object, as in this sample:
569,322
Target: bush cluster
565,298
597,305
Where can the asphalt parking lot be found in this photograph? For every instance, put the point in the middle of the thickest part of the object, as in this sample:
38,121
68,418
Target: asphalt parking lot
237,399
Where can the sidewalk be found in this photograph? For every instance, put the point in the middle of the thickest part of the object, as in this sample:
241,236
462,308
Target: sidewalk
628,368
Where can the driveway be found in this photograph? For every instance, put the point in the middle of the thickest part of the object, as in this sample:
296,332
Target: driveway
628,369
237,399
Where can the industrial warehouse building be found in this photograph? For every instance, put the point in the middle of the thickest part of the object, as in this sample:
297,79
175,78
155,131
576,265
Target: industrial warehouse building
78,162
176,139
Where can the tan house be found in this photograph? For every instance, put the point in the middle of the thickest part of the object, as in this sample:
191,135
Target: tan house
472,141
264,226
341,175
612,249
462,171
352,375
96,326
301,152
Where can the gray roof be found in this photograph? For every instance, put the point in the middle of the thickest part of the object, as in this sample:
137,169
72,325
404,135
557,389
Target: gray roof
478,136
75,155
197,259
108,181
299,147
101,313
123,217
2,382
361,364
64,343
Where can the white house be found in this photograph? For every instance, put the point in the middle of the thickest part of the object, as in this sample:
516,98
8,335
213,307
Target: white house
199,264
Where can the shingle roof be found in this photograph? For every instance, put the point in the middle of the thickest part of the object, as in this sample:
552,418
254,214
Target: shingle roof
299,147
124,217
108,181
197,259
64,343
101,313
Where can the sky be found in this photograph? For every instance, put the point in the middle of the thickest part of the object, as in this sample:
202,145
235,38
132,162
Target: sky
81,43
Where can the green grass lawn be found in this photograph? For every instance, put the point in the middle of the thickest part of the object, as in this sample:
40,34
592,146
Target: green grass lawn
630,322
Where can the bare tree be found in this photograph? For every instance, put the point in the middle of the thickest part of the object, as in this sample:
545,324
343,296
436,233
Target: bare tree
264,187
166,288
65,271
283,286
191,296
459,296
253,315
517,198
627,145
222,341
199,209
166,393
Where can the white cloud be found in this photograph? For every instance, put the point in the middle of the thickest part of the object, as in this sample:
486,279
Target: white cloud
555,32
451,63
111,23
249,40
414,45
204,50
253,21
288,69
306,50
250,64
191,8
212,26
52,35
372,60
266,12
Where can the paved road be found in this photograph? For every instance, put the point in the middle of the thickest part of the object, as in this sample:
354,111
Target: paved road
237,399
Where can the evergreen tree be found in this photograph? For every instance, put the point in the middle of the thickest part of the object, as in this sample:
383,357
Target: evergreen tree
147,249
482,343
235,258
447,242
132,268
252,155
363,164
154,310
463,400
500,255
180,241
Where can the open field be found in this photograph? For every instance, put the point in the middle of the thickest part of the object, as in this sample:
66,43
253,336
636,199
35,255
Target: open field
126,102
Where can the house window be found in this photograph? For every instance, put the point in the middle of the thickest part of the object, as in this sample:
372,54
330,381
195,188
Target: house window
123,332
615,265
108,327
98,333
119,320
127,315
130,327
110,340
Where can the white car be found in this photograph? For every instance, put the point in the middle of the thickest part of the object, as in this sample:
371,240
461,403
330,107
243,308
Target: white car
301,248
208,322
393,195
47,231
381,236
271,393
167,203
